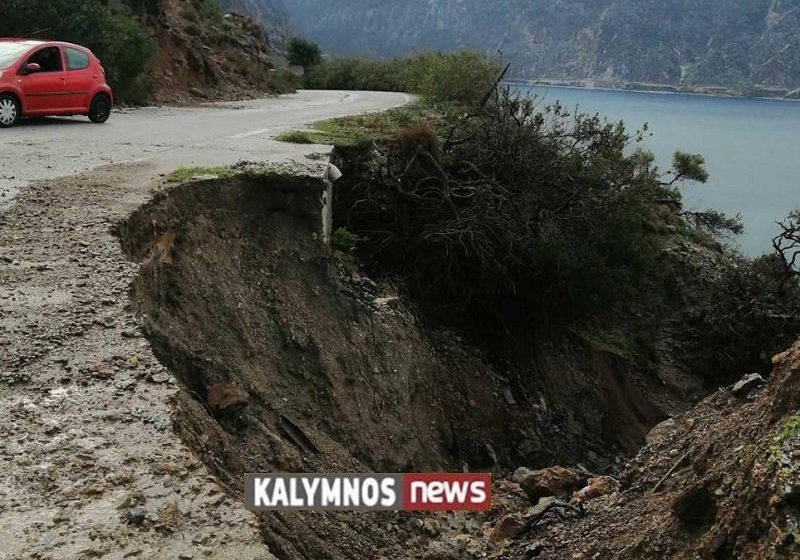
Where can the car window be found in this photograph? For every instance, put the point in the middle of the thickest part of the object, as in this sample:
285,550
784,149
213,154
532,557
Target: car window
76,60
11,52
49,59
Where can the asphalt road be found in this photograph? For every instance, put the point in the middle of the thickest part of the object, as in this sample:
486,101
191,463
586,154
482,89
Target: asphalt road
168,137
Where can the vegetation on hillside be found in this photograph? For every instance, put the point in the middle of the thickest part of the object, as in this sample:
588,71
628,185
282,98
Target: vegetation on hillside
733,43
459,77
508,217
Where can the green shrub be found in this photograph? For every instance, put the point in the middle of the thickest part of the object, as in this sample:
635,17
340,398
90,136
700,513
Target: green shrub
208,9
282,80
343,240
303,53
189,14
116,38
462,78
528,216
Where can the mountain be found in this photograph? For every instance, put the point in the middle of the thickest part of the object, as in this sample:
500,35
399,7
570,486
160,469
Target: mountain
728,43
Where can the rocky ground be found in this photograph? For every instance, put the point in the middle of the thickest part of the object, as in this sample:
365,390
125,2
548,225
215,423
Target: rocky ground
718,482
89,464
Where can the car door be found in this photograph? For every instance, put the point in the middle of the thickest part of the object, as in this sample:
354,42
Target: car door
44,91
80,77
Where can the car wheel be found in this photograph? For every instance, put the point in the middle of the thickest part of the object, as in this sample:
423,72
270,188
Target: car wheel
9,110
100,109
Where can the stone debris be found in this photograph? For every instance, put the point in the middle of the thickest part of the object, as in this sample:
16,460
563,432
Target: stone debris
596,487
507,528
552,481
660,430
136,515
747,384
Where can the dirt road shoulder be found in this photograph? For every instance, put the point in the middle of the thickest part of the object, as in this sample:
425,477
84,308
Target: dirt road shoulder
89,463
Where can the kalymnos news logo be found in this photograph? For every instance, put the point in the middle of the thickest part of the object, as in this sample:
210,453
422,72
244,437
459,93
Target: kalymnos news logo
344,492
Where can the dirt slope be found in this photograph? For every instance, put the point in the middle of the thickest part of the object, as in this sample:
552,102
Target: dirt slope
292,362
732,491
290,359
200,54
719,482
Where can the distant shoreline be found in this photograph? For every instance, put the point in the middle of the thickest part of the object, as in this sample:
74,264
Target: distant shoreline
635,87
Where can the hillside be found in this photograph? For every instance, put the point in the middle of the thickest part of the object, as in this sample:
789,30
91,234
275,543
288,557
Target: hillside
613,42
272,14
201,53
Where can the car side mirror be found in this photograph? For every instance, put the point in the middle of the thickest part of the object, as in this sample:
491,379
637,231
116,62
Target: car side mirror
32,68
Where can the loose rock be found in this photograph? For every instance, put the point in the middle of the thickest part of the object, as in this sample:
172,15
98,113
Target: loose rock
553,481
508,528
136,515
659,430
747,384
596,487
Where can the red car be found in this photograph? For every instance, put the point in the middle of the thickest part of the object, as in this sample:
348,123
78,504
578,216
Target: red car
44,78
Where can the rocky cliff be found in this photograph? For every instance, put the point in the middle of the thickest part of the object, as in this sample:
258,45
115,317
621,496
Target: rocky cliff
692,43
199,53
272,14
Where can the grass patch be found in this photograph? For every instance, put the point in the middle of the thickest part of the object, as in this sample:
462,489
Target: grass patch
360,129
790,430
787,432
297,137
183,174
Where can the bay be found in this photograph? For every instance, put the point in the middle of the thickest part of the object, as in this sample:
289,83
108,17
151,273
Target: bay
751,147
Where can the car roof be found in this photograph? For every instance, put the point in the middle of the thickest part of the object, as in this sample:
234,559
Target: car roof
38,42
29,42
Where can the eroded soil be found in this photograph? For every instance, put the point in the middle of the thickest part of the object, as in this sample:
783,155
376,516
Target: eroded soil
290,359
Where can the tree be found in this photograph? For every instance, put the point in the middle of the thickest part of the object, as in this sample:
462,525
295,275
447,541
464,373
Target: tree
688,167
146,8
520,212
691,167
303,53
787,244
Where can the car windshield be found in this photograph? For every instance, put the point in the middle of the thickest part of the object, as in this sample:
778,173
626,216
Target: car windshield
11,52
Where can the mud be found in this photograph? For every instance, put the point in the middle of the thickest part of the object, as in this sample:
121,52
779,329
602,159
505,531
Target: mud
85,407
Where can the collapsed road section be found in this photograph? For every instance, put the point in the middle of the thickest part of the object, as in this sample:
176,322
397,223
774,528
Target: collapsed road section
290,360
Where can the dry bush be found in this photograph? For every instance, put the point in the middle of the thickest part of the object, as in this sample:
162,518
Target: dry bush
420,136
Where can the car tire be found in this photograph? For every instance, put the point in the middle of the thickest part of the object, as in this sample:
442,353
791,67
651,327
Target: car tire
10,110
100,109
